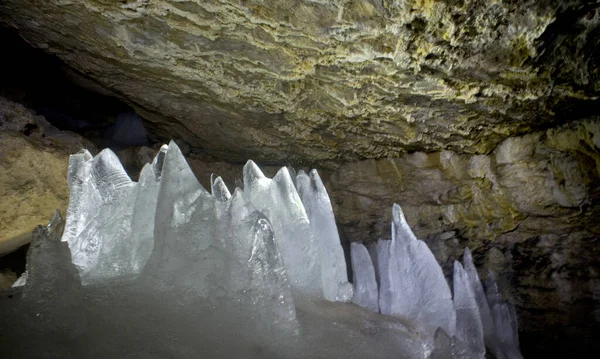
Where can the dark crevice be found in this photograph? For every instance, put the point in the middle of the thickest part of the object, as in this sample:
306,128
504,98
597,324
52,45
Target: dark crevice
47,89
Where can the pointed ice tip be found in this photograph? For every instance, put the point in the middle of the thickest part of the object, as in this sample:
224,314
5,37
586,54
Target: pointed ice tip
467,256
397,214
237,192
159,161
284,181
283,175
55,223
108,168
292,172
316,181
212,179
458,268
220,190
84,154
252,172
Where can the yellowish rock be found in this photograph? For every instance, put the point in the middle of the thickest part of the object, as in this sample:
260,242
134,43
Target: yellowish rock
34,158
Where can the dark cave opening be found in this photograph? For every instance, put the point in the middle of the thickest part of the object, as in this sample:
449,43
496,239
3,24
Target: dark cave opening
42,82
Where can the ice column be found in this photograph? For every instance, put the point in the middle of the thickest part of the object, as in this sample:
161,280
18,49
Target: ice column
418,288
381,261
505,323
216,248
110,218
279,201
482,303
365,286
468,321
322,224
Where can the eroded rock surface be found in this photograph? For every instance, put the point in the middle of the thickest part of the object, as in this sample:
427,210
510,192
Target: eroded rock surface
318,80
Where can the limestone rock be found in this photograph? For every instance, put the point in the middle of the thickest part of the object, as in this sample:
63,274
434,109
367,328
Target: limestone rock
279,81
33,168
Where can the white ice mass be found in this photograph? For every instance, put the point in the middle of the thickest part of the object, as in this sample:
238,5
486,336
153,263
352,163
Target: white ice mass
164,268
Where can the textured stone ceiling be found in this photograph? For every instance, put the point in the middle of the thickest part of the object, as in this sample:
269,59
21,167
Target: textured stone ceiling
290,80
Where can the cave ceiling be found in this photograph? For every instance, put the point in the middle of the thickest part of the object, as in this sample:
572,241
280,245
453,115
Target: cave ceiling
328,81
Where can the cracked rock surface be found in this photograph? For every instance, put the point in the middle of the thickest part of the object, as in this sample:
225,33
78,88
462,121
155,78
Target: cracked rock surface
300,80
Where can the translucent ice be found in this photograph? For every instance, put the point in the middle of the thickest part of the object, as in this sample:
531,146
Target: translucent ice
381,259
110,218
418,288
324,230
188,273
482,303
279,201
468,321
506,343
219,189
365,286
219,249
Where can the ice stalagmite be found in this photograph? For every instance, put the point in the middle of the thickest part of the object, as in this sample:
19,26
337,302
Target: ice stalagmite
105,239
382,253
418,288
220,250
468,321
279,201
505,323
324,230
83,198
51,277
365,286
225,273
482,303
219,189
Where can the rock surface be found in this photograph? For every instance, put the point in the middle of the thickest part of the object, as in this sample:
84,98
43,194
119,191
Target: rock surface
281,81
33,166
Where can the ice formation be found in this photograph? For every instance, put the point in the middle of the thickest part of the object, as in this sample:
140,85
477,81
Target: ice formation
365,285
163,266
322,224
418,288
468,320
505,339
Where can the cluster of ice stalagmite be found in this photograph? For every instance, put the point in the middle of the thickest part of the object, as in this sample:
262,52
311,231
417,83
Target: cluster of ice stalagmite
261,254
402,278
116,226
